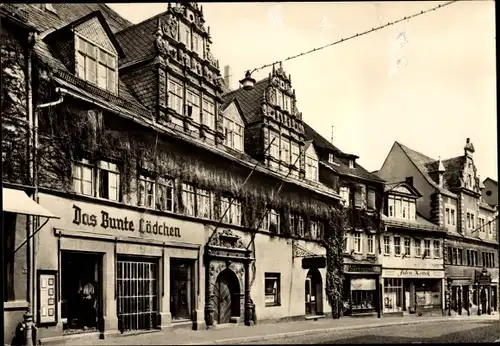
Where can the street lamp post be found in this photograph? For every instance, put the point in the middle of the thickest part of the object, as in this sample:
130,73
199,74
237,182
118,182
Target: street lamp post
449,281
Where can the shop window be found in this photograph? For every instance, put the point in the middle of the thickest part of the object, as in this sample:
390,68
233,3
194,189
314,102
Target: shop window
81,291
181,288
370,238
272,289
397,245
204,203
233,213
418,247
363,294
387,245
393,295
427,293
188,199
83,177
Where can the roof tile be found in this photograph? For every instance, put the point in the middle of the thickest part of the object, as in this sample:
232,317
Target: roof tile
250,100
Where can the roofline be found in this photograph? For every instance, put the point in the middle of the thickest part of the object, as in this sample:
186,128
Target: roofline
411,187
168,131
440,190
492,180
328,165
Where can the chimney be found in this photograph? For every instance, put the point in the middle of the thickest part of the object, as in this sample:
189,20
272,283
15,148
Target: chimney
227,76
409,181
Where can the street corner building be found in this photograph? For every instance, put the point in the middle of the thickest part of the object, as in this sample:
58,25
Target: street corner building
150,194
451,198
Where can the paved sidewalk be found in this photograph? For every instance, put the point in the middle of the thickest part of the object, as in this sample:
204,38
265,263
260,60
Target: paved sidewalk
267,331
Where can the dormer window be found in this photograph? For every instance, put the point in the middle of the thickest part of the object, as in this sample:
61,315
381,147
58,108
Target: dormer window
351,163
234,133
311,168
401,208
330,158
96,65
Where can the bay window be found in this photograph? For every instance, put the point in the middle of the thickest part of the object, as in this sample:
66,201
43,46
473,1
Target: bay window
96,65
175,96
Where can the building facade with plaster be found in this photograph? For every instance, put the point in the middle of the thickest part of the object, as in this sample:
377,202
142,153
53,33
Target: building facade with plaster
176,202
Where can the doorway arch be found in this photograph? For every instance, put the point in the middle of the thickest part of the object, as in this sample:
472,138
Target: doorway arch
314,293
227,296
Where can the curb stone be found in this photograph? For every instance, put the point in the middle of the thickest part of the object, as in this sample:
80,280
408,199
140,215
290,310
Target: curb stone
332,329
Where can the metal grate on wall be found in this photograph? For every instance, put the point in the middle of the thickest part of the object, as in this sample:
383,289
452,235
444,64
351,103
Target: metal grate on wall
137,297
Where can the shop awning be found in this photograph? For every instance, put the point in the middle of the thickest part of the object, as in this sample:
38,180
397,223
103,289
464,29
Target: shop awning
17,201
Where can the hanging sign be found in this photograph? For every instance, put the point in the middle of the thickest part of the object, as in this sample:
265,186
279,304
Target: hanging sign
47,297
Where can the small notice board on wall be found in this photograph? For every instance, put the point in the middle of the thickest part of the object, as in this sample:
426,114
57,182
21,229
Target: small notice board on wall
47,297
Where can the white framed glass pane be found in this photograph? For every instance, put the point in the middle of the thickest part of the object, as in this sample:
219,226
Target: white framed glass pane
102,76
80,65
90,70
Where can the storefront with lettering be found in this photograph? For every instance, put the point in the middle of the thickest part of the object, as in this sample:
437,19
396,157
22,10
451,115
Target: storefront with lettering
407,291
118,269
361,289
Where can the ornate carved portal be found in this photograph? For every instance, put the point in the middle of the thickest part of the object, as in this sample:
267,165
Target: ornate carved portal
226,261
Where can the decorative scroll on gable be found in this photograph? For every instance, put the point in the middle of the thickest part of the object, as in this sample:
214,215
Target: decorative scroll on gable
227,239
93,30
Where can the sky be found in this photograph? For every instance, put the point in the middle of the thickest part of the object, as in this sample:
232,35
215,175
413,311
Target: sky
441,93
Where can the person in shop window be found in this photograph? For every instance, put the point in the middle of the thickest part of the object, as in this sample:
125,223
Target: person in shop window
88,302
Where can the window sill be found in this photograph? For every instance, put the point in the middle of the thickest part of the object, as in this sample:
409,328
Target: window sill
15,305
268,305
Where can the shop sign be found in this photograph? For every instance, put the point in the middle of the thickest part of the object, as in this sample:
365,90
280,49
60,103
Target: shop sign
107,221
356,268
413,273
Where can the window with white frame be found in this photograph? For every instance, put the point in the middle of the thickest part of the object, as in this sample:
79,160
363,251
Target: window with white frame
295,154
331,158
296,225
188,195
370,241
481,222
193,104
397,245
233,133
208,113
316,230
351,163
285,150
344,193
427,247
275,144
164,194
391,206
175,96
146,191
109,181
387,245
96,65
412,210
407,243
204,203
311,168
417,245
357,242
437,249
274,221
83,177
233,214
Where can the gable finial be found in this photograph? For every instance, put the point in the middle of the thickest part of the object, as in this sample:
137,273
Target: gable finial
440,165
